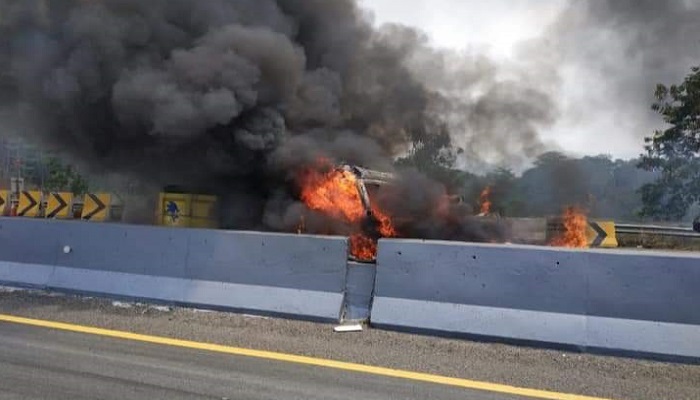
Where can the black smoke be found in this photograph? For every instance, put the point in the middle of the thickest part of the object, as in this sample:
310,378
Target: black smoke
634,43
620,50
223,96
494,110
612,53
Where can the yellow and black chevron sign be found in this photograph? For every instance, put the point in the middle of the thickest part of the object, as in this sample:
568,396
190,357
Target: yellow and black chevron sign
29,203
59,205
601,234
4,199
96,206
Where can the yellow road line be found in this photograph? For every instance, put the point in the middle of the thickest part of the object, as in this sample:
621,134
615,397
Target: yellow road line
268,355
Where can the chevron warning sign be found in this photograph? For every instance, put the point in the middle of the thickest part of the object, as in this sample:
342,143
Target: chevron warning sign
59,205
96,206
29,202
4,201
601,234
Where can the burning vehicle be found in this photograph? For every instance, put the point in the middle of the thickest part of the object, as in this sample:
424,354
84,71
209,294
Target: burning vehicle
238,100
343,193
375,224
349,194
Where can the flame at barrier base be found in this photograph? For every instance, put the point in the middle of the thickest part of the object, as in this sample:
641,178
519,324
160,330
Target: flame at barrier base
574,222
485,201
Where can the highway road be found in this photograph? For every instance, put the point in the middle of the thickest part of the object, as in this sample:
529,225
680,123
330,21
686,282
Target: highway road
55,346
37,362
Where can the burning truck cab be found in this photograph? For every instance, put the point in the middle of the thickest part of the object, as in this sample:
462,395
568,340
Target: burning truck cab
373,224
364,178
345,192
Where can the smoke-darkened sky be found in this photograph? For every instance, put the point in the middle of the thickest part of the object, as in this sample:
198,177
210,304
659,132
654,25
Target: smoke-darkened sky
236,96
607,55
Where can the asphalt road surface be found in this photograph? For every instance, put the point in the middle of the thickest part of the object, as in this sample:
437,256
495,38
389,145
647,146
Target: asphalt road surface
39,362
49,364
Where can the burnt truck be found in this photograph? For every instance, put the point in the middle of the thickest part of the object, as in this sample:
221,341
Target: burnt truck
367,178
177,206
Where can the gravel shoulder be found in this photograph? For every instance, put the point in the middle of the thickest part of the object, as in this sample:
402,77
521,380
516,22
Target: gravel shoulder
593,375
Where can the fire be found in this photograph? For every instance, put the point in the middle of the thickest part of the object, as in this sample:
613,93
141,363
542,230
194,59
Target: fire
335,193
363,247
574,236
484,200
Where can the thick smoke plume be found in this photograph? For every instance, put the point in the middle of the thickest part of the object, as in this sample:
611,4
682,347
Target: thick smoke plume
224,96
619,50
634,43
605,58
233,97
493,109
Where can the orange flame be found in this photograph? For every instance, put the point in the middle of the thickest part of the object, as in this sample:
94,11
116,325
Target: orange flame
335,193
484,200
574,234
362,247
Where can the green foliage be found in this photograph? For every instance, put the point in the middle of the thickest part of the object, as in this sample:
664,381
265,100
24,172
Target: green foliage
503,194
675,151
79,185
555,181
64,178
606,188
434,155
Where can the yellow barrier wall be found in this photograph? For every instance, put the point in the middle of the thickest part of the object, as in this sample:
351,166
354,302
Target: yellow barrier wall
203,211
186,210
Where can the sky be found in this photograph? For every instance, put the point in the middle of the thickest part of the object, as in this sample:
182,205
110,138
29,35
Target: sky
497,27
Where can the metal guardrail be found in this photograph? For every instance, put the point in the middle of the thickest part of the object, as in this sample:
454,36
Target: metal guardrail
656,230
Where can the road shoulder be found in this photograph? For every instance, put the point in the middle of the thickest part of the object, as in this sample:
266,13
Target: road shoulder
583,374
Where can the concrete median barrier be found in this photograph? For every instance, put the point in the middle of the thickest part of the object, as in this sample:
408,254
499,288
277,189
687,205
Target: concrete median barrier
595,300
289,275
618,301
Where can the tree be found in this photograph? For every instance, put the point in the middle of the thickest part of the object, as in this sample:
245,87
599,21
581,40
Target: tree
675,151
432,153
502,192
555,181
63,177
78,184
